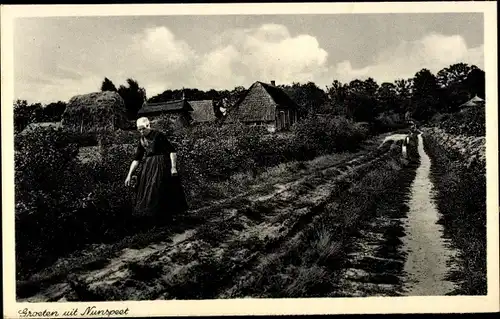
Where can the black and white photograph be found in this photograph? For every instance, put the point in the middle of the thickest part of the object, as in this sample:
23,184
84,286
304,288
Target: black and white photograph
169,153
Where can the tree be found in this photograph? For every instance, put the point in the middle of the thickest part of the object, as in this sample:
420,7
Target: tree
134,97
234,95
388,99
454,74
404,89
361,100
453,85
425,97
370,87
107,85
337,94
476,82
309,97
53,111
24,114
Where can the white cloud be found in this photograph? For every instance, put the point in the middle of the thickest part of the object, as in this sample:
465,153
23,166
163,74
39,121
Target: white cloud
241,57
159,45
159,60
268,53
216,68
434,52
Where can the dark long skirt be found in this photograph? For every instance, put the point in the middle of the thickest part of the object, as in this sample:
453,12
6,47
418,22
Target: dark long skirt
159,194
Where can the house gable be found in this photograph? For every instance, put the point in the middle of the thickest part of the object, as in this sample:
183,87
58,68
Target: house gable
279,96
260,104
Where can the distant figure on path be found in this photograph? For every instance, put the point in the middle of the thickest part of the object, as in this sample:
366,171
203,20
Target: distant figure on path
159,191
404,147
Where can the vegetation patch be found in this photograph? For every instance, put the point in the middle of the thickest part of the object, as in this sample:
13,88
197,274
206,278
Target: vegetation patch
323,243
460,194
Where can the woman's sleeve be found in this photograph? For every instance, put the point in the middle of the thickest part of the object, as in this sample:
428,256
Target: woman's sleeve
139,152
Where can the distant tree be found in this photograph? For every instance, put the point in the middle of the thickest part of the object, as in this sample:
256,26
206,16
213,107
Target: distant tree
337,92
454,88
166,95
371,87
309,97
53,111
212,95
454,74
107,85
233,96
425,97
134,97
361,100
188,94
476,82
38,113
404,89
337,95
388,98
24,114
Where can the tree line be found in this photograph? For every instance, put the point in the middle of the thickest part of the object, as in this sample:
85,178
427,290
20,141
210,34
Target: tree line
423,95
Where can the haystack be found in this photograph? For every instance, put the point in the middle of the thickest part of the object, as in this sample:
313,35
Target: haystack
97,112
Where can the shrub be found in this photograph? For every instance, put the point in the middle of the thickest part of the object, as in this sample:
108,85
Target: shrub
124,137
49,188
470,122
63,204
318,135
387,122
460,195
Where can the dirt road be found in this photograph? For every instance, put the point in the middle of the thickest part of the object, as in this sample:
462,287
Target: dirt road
270,242
227,242
402,252
428,254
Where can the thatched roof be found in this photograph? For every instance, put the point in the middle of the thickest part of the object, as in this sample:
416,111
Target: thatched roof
259,104
41,125
475,101
165,107
203,111
95,112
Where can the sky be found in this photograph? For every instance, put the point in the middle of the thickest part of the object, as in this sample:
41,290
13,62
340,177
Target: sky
56,58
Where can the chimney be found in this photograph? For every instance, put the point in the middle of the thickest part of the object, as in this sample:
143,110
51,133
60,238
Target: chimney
273,83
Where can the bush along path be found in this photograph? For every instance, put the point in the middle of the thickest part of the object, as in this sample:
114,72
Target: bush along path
342,230
460,194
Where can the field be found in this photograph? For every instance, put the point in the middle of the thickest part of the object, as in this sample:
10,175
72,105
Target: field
326,225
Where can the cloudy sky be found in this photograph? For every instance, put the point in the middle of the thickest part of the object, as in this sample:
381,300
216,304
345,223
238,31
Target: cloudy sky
58,57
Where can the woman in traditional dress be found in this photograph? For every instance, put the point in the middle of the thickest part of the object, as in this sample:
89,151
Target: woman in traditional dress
159,191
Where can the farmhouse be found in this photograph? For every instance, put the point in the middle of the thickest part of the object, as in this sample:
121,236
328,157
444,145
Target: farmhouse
177,111
264,105
183,111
